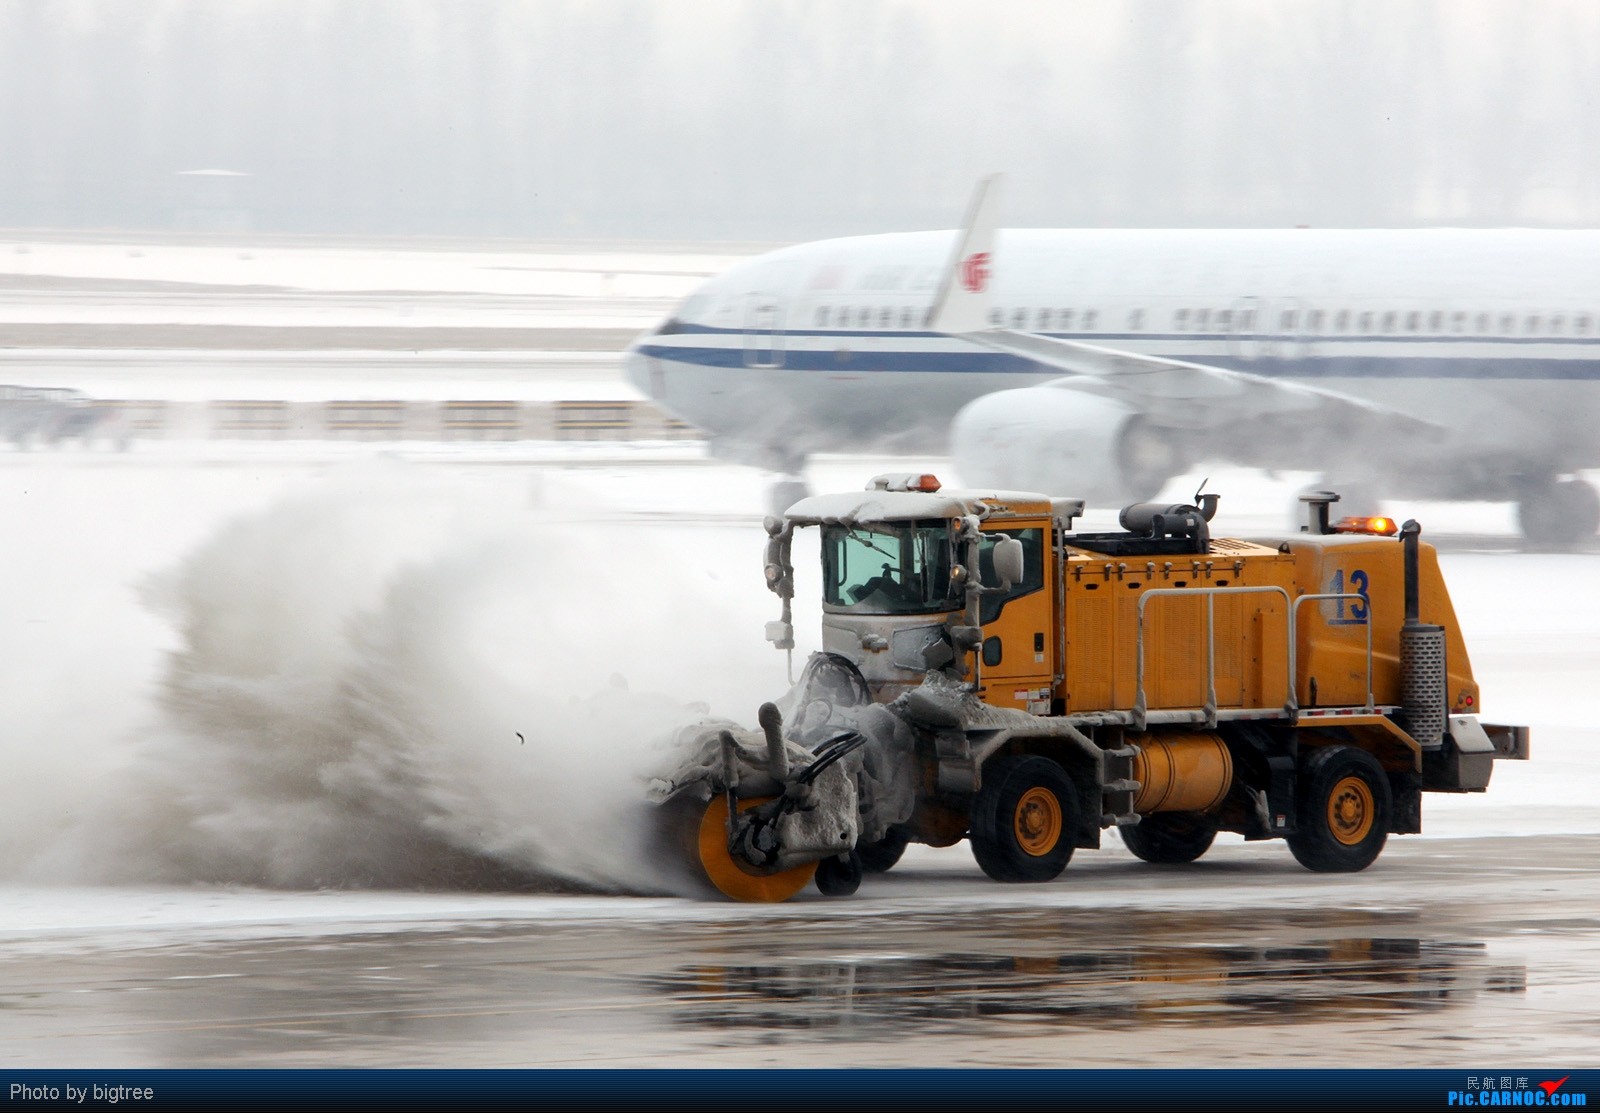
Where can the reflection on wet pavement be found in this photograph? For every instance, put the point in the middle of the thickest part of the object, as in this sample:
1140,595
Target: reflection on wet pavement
1127,986
1457,954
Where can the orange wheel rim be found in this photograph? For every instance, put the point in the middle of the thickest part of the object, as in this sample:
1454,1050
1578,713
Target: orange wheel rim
1037,822
1350,810
727,875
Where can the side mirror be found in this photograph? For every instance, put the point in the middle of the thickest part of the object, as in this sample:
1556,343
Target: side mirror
1008,563
781,634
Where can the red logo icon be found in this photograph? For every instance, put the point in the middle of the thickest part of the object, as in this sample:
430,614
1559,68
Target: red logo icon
1551,1087
975,271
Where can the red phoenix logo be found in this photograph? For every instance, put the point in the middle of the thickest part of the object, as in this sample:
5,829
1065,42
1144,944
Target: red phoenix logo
975,271
1551,1087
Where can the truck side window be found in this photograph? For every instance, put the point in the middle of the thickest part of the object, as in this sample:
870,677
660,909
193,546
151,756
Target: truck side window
1032,572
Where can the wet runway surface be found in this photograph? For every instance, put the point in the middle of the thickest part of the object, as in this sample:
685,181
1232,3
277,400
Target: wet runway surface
1448,952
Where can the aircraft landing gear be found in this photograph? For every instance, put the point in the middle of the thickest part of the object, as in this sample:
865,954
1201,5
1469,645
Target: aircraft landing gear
1558,512
785,493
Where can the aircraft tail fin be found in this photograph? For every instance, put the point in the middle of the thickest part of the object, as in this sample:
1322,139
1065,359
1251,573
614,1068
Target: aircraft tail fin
963,303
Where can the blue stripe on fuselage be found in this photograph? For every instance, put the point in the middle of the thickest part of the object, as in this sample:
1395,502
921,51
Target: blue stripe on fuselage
980,361
1119,339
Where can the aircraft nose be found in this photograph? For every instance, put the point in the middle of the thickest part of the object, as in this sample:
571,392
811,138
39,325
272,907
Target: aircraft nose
637,368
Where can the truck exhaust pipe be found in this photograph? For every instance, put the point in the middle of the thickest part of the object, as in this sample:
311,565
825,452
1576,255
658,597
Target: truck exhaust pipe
1423,679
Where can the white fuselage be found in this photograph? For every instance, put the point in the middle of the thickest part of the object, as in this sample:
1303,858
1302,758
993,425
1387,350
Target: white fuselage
825,347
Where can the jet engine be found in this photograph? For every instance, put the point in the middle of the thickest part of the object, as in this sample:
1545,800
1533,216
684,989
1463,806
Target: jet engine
1064,440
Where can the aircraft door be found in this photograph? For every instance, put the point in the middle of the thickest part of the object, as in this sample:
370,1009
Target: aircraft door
763,331
1294,327
1246,326
1269,329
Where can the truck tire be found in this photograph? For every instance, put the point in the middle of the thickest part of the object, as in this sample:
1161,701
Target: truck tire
1023,819
1344,807
1169,838
840,875
881,856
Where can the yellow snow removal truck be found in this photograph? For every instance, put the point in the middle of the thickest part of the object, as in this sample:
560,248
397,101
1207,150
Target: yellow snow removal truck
988,674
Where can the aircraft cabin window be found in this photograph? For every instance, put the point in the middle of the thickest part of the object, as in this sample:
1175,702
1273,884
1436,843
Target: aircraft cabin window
822,315
1580,324
1557,324
1314,321
1366,321
1532,323
1202,320
1089,316
1247,320
1342,320
1224,320
1413,321
997,317
1019,319
908,317
1135,320
1287,320
1508,323
1389,321
1435,321
1066,319
1483,322
1045,317
1180,320
1458,322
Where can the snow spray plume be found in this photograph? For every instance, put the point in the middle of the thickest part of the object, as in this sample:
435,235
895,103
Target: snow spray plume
384,686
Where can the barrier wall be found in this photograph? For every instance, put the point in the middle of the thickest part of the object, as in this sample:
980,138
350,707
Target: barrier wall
391,419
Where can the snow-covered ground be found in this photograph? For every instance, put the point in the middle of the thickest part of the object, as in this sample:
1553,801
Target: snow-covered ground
551,270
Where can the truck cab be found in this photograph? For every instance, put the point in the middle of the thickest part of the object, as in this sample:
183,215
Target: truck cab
917,579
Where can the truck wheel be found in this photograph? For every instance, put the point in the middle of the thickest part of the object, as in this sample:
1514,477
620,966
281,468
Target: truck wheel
1023,819
1169,838
840,875
1344,807
881,856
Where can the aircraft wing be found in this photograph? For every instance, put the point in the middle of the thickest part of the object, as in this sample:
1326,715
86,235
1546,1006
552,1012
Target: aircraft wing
1179,394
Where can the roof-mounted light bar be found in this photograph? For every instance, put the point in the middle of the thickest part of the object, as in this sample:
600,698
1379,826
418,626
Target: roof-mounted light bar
1381,526
905,481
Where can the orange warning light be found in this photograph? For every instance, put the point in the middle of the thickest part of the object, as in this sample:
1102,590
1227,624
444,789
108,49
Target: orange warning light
1384,527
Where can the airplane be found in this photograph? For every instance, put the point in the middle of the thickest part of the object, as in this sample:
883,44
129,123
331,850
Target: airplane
1454,364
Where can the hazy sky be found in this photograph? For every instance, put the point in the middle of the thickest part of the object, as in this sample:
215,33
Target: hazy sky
782,119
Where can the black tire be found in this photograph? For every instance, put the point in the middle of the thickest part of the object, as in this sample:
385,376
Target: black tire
1169,838
1562,513
839,875
1024,819
1344,810
881,856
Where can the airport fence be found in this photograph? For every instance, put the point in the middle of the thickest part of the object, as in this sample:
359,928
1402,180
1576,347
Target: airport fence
392,419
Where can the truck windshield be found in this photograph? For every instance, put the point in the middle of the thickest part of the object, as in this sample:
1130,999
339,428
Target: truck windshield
902,569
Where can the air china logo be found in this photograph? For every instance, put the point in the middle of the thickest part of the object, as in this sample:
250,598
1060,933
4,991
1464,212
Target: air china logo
1483,1091
975,271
